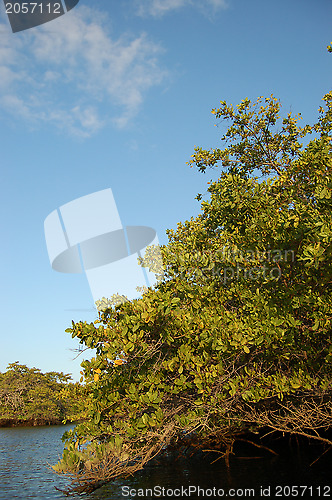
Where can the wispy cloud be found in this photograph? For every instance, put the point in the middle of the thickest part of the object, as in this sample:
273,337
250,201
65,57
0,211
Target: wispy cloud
158,8
73,74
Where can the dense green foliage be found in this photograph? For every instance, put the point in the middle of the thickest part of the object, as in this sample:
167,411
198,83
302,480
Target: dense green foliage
237,334
27,395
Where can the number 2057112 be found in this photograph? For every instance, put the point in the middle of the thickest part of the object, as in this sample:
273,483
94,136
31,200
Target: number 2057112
33,7
303,491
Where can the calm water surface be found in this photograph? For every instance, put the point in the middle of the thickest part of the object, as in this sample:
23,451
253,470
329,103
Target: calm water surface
25,453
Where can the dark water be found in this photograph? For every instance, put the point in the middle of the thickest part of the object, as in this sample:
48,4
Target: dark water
25,453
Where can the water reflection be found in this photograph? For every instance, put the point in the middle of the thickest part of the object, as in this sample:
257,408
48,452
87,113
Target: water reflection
247,476
26,451
24,455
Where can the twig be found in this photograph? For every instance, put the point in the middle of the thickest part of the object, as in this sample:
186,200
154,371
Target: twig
320,456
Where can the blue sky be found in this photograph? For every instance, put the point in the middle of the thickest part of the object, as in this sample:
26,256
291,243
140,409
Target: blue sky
116,95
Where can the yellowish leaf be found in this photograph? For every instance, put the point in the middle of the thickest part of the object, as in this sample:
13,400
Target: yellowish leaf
118,362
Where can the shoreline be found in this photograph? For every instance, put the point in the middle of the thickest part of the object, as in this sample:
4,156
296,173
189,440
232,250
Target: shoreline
30,422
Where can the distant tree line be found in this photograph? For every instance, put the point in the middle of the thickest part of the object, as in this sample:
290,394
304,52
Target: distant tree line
28,396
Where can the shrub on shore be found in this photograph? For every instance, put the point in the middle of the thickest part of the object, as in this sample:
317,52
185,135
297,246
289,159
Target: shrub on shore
236,337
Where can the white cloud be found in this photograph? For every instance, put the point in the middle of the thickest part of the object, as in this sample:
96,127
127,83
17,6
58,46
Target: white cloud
73,74
158,8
